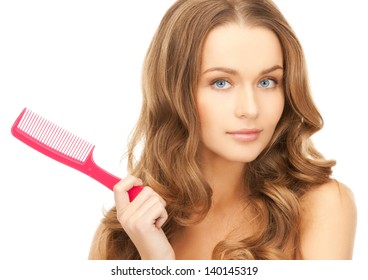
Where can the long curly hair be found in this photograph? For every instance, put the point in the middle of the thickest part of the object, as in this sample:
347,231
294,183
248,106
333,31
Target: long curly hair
167,135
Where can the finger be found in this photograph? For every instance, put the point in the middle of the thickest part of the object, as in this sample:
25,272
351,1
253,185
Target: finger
146,198
163,218
145,194
139,208
152,211
121,190
160,215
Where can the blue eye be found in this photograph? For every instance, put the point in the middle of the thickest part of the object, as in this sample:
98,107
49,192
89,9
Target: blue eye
221,84
267,83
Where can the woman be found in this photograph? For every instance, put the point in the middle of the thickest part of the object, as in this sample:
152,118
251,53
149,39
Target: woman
227,161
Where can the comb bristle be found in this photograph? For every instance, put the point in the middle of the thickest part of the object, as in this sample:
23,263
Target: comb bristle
54,137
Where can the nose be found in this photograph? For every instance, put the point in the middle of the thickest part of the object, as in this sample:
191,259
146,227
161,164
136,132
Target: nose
246,105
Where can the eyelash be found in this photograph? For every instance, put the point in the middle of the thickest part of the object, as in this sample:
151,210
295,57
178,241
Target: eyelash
213,83
274,80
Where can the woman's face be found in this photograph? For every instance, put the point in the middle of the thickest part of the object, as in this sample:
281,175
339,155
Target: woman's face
240,94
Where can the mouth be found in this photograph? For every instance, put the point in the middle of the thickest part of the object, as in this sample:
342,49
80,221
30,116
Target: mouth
245,134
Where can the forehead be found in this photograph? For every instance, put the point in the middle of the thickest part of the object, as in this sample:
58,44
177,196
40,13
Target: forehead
242,48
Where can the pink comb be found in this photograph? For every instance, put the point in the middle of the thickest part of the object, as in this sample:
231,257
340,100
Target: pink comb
62,146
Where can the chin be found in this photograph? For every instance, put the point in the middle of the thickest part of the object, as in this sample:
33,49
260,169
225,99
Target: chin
245,159
241,157
232,153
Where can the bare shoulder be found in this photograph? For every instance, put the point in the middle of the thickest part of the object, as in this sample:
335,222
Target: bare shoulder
328,222
332,193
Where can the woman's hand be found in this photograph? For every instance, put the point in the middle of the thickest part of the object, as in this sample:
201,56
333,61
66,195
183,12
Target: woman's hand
142,219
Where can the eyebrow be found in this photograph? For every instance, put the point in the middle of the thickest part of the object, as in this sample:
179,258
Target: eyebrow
269,70
233,72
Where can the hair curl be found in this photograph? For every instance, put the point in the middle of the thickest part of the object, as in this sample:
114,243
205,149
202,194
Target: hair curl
168,129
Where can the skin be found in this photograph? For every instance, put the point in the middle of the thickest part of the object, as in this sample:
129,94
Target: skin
142,219
329,220
240,88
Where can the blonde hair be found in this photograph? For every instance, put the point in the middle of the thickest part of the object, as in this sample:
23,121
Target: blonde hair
169,127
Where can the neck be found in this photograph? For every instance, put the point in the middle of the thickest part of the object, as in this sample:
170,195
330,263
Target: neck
226,179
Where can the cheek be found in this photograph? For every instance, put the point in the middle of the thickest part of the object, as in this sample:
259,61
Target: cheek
273,110
209,113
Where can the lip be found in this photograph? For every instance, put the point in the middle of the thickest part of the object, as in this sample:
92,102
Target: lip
245,134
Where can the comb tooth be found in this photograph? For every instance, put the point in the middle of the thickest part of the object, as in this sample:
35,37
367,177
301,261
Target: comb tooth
46,132
76,147
72,147
40,129
28,122
78,151
24,121
36,127
65,146
42,138
68,148
52,135
32,125
82,150
59,145
21,123
60,140
63,143
87,151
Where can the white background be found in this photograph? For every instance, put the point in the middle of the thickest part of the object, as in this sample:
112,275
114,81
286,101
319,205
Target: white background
78,63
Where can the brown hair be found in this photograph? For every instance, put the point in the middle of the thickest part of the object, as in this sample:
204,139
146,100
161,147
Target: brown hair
168,129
